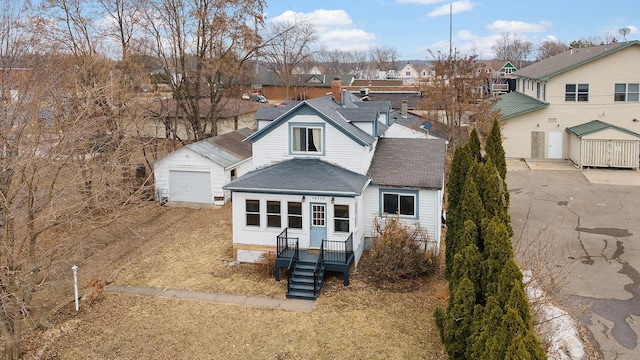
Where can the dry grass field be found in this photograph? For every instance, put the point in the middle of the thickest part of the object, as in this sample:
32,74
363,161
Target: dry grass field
191,249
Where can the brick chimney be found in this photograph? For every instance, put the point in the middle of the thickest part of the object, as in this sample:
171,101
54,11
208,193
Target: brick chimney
336,89
404,109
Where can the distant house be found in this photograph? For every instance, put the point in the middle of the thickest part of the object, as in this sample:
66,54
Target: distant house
303,86
163,118
556,99
196,172
408,72
323,171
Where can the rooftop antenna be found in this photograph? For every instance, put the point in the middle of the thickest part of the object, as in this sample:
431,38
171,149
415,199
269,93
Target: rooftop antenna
624,32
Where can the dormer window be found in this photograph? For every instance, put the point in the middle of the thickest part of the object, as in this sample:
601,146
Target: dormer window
307,139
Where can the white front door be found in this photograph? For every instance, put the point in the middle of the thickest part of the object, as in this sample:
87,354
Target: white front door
554,150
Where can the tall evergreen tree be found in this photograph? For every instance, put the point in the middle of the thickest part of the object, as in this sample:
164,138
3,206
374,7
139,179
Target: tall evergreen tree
494,194
467,264
460,164
461,238
494,150
497,251
510,278
470,208
460,321
474,145
484,344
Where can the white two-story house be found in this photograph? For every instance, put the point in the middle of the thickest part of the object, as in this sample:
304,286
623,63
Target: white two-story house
323,171
582,105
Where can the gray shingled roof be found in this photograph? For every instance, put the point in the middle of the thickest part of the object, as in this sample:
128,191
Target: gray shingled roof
301,176
515,103
359,115
415,163
543,70
274,112
324,106
595,126
225,150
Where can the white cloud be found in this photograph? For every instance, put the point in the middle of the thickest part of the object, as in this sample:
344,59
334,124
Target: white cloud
353,39
455,8
517,27
466,35
634,30
334,28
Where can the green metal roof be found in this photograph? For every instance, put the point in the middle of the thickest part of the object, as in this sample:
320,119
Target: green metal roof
595,126
515,103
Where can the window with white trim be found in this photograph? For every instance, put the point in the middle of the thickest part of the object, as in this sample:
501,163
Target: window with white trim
576,92
626,92
294,214
341,218
274,218
306,139
252,210
399,204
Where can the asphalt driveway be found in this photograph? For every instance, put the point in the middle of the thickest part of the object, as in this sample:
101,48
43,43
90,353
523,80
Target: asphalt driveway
578,230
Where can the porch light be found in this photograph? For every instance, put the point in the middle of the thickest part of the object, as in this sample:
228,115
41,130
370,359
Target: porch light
303,198
333,199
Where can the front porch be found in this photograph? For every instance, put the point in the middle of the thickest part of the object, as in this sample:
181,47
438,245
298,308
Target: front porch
306,267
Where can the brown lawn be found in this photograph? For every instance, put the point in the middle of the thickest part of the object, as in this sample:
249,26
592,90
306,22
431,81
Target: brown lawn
191,249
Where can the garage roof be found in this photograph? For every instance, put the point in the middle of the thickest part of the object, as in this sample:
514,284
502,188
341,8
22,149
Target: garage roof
225,150
596,126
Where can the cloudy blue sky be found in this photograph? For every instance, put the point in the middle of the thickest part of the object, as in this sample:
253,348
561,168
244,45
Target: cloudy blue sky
415,26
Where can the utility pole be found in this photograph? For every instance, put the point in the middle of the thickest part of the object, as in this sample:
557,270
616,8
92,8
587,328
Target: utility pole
450,28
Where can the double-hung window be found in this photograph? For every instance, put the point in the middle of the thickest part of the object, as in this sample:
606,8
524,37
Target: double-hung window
403,204
294,213
252,209
626,92
307,139
576,92
274,218
341,218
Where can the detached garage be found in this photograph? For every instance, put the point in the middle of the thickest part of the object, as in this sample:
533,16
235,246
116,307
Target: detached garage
197,172
599,144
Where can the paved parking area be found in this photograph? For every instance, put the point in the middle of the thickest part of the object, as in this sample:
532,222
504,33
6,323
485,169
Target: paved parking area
578,230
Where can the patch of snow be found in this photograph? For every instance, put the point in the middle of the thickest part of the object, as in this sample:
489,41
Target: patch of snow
559,327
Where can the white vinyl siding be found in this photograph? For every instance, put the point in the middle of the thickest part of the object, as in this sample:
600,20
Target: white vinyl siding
428,209
339,149
185,159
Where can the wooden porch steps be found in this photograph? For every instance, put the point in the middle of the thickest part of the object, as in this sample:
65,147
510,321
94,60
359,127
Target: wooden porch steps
301,281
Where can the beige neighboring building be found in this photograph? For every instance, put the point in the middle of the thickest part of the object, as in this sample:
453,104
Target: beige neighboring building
559,97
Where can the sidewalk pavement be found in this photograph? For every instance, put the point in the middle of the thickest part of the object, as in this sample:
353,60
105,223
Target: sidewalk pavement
220,298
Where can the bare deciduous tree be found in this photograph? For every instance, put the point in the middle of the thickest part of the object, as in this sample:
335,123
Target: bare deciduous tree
550,48
205,47
510,47
455,95
384,58
290,45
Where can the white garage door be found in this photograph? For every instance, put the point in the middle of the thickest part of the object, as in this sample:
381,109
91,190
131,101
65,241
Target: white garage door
190,186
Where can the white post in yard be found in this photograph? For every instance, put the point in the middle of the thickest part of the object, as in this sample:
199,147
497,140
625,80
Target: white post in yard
75,284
